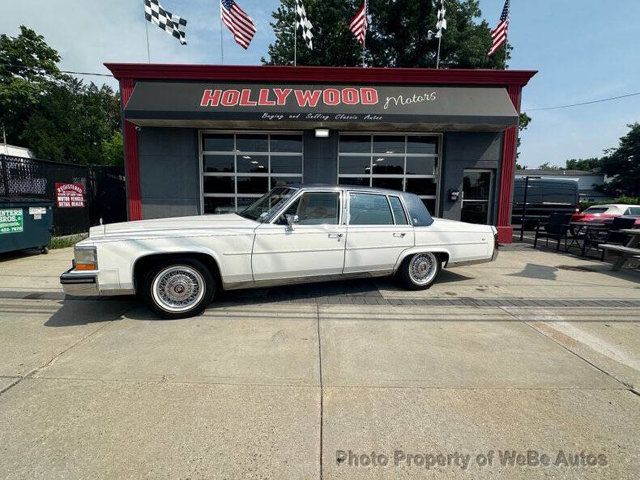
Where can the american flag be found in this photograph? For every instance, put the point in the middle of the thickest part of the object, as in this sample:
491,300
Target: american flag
499,34
359,23
238,22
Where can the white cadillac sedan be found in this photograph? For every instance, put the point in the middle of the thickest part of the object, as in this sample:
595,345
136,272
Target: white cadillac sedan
290,235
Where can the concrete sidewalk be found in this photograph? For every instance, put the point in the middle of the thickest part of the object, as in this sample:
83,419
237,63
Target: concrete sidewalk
536,352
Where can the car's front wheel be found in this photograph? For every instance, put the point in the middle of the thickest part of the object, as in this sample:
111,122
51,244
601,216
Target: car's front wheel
179,289
419,271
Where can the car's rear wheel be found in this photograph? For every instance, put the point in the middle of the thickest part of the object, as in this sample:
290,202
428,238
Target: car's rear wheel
179,289
420,271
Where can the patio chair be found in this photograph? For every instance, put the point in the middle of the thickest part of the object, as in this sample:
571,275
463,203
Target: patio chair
555,228
610,234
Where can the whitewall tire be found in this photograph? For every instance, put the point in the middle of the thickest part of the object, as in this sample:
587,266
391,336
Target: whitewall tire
419,271
179,289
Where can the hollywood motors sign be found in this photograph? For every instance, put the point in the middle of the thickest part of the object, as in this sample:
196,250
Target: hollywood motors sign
302,98
187,102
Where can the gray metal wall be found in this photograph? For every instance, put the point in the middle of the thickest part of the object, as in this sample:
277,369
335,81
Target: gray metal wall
466,150
169,172
320,163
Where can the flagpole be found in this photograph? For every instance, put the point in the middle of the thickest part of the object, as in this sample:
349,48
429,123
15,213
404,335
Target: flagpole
438,57
221,43
148,51
295,38
364,39
146,28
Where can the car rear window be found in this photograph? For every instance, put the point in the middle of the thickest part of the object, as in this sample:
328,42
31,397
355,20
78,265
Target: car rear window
596,209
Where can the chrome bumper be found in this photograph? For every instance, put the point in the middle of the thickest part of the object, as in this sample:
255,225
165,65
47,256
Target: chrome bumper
79,283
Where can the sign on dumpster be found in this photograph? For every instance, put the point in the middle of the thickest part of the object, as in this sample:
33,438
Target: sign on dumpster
11,220
69,195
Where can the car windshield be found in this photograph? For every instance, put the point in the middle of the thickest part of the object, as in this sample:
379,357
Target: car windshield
633,211
266,206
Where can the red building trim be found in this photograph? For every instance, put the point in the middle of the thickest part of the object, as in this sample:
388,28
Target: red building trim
132,162
512,80
243,73
509,148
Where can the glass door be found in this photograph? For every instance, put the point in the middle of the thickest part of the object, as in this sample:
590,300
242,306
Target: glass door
476,196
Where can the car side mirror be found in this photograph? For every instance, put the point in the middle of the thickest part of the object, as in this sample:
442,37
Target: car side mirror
291,220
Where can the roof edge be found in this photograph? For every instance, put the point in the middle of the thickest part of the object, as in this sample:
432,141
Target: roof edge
248,73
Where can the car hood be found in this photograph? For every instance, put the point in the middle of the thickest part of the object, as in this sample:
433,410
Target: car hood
175,226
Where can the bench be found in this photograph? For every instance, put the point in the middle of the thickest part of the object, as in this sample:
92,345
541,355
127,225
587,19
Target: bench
624,253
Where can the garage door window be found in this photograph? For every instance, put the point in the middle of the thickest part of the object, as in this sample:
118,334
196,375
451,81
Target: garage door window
399,162
238,167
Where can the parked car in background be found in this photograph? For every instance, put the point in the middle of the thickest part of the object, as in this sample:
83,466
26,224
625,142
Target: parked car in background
602,213
290,235
544,197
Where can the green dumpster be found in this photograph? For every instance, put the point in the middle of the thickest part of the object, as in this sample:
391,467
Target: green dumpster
25,223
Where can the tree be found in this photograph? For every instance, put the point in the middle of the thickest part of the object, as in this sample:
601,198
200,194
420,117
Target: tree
523,123
397,36
586,164
57,116
548,166
75,123
622,165
28,70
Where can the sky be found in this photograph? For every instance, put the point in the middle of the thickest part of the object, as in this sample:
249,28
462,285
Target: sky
583,50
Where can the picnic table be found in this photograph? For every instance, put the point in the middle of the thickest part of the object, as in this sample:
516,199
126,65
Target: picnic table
625,252
579,229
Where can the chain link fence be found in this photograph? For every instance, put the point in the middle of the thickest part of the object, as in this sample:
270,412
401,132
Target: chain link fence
102,190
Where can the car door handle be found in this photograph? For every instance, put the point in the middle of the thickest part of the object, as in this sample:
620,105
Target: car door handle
335,235
400,235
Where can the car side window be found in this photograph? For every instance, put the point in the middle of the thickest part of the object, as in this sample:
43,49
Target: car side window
369,209
315,208
398,211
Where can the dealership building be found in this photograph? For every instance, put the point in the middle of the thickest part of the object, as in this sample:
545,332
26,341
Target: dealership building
208,139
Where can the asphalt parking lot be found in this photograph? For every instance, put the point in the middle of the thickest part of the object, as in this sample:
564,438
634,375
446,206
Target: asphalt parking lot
537,353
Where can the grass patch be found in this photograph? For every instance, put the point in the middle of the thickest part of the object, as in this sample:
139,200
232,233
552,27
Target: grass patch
67,240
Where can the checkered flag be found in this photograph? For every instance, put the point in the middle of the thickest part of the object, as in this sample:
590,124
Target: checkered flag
170,23
442,22
303,22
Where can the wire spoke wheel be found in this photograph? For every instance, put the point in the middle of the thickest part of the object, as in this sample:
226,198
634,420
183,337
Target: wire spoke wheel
423,267
178,288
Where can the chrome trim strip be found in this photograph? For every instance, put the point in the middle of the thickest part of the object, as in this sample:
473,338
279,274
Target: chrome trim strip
301,280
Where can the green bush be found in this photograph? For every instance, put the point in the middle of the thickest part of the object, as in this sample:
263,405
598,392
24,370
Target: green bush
66,241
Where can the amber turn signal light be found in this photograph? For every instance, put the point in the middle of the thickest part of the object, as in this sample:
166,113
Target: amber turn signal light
85,266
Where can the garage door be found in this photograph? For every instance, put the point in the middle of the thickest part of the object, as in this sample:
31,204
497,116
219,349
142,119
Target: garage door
239,167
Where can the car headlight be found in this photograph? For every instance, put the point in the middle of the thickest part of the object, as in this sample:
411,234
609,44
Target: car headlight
86,258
